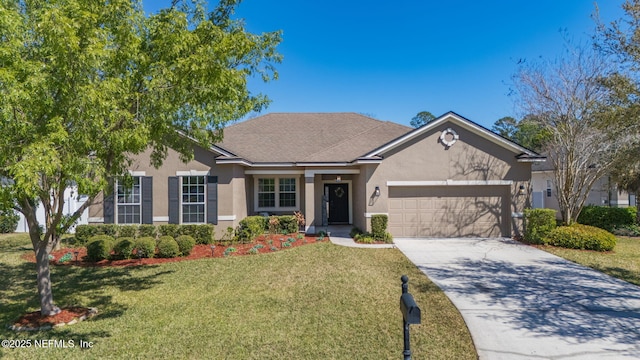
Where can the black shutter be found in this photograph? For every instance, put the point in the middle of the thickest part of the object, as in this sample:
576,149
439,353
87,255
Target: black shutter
174,199
107,205
212,200
147,199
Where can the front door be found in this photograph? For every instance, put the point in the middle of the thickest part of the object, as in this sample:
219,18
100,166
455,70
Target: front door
338,203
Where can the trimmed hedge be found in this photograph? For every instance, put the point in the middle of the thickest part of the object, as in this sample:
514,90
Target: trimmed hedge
127,231
379,225
585,237
123,248
99,247
185,244
168,247
85,232
606,217
145,230
201,233
8,221
538,224
251,227
172,230
145,246
288,224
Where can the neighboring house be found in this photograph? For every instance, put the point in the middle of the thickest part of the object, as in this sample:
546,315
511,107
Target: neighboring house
450,177
603,193
72,200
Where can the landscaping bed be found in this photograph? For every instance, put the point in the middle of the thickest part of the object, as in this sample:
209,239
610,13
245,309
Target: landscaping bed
263,244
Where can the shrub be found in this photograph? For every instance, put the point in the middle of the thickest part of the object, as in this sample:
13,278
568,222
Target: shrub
8,221
185,244
145,247
251,227
627,230
583,237
288,224
168,247
379,225
364,238
172,230
202,234
607,218
99,247
127,231
146,230
83,233
274,224
538,224
123,248
355,232
106,229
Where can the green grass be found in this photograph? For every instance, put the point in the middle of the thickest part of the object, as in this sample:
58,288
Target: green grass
318,301
623,262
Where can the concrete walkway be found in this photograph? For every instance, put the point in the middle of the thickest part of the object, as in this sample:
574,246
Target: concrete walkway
523,303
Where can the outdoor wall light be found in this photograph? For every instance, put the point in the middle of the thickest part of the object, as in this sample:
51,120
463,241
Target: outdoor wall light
521,190
377,192
338,178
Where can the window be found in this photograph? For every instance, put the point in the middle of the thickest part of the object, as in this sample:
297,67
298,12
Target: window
288,192
128,199
193,199
266,193
276,193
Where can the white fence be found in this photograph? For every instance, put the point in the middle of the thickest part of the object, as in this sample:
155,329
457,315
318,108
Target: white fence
72,203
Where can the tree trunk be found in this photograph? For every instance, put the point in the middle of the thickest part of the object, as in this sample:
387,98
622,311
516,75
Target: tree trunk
44,279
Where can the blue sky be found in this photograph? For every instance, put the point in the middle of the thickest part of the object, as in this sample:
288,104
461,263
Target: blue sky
391,60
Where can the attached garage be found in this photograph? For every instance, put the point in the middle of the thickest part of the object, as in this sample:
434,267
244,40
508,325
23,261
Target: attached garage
449,210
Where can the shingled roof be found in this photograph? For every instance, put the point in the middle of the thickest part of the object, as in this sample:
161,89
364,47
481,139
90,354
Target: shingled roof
308,137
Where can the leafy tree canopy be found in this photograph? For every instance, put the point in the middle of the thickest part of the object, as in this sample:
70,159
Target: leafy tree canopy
84,84
422,118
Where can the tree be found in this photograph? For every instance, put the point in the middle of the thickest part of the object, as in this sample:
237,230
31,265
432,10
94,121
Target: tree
505,127
85,84
620,42
422,118
566,98
526,132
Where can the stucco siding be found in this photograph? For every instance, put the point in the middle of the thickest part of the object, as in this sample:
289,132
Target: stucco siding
471,158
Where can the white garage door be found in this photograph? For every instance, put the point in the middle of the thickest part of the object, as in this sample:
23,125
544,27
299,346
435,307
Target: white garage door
449,211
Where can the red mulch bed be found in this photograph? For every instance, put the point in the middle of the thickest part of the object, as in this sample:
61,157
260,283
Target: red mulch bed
33,320
198,252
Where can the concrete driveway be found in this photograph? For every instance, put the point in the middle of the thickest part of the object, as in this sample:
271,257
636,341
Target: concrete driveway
523,303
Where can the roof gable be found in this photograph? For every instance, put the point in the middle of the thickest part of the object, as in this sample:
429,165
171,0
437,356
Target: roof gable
523,154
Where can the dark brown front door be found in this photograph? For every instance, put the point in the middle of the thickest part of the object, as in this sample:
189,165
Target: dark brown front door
338,203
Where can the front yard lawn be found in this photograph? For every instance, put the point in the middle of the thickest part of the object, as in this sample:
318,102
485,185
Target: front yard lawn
318,301
623,262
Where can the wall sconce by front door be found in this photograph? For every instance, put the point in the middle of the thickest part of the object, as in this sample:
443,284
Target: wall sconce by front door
521,190
338,178
377,191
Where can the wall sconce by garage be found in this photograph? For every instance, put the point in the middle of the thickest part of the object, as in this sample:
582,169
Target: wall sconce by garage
521,190
338,178
377,192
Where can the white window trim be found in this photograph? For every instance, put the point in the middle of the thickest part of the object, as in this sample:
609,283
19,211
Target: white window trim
190,174
116,204
277,191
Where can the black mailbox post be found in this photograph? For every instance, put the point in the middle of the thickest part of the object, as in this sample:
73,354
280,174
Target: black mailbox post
410,314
